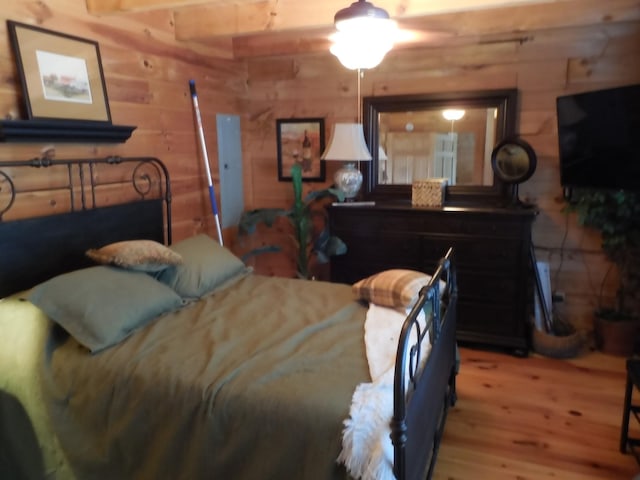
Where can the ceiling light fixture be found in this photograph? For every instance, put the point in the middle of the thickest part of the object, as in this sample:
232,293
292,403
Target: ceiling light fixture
453,114
365,33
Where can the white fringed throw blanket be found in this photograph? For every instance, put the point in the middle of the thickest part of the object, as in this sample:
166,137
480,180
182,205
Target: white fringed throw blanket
367,451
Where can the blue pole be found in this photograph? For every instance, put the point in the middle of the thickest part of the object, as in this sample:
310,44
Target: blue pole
203,147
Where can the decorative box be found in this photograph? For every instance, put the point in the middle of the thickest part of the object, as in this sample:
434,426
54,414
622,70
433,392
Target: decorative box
428,192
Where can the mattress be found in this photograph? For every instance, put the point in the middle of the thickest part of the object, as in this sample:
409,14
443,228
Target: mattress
253,381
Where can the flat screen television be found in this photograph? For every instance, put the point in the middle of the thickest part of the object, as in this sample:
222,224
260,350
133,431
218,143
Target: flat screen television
599,139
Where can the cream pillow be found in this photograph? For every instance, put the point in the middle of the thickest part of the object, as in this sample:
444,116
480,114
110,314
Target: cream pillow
141,255
392,288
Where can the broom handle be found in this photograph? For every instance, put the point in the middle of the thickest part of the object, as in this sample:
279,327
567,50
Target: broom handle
203,147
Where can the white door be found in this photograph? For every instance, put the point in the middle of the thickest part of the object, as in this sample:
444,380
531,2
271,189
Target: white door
230,167
445,156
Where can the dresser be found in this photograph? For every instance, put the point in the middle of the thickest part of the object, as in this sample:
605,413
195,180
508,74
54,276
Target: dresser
492,255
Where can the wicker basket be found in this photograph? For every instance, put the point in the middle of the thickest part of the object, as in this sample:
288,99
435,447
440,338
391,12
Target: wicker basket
428,192
565,346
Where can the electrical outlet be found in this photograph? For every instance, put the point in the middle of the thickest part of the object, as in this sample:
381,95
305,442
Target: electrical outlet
557,297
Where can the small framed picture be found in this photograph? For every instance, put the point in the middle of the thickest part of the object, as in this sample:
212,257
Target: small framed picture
61,75
301,141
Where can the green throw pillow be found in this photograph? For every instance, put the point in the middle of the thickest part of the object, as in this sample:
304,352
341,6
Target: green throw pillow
100,306
206,265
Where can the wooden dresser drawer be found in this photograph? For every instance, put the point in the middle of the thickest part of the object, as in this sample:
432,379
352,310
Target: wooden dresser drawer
491,254
352,272
394,249
475,251
473,224
366,222
485,323
490,286
374,221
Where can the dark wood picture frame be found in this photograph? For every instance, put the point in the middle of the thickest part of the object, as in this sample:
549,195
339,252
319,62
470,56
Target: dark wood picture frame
292,148
61,75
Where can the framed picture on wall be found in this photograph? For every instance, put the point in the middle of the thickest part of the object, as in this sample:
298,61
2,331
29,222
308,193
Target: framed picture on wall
300,141
61,75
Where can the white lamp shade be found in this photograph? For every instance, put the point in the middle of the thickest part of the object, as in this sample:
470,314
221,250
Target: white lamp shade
382,155
347,144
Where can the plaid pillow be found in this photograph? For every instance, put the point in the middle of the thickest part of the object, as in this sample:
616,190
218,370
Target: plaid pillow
391,288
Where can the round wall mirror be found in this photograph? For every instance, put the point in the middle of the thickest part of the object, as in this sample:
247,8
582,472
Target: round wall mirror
513,160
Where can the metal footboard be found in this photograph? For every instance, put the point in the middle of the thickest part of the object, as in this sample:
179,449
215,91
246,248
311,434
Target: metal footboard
423,393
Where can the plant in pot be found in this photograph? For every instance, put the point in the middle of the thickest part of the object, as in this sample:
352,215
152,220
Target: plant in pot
616,214
308,243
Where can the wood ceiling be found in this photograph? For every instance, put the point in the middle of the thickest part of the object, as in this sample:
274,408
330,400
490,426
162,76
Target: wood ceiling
276,27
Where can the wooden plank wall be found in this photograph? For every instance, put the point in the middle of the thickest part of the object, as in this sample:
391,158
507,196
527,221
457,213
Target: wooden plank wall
548,63
147,73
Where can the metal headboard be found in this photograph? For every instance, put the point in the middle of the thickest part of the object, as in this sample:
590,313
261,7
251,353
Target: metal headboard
49,217
149,178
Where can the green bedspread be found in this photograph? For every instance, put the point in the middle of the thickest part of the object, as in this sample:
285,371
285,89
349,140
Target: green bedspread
250,383
23,333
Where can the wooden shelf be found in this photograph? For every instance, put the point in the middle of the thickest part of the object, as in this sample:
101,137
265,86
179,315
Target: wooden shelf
63,131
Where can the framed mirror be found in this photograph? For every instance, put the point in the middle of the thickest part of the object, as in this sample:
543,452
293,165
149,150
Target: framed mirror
445,135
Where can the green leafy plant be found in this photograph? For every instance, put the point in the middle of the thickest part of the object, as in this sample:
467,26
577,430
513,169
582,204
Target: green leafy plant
301,215
616,214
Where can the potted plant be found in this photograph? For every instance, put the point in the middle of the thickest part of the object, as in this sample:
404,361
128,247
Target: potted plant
616,214
307,243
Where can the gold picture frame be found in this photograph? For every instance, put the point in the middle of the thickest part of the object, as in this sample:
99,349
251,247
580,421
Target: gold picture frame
301,141
61,75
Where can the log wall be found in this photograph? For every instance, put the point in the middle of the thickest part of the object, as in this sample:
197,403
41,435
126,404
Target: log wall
147,75
542,65
147,72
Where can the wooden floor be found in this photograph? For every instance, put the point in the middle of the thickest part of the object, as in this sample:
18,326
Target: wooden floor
536,418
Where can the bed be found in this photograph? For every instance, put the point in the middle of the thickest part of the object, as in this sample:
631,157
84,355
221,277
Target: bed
198,367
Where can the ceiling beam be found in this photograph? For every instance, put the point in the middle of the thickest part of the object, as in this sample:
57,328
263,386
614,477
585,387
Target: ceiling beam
458,28
394,7
197,19
269,16
105,7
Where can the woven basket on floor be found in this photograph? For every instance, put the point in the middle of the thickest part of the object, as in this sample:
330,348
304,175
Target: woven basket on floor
558,346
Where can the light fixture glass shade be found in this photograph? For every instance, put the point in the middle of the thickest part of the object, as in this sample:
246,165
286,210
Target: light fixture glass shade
453,114
347,145
364,37
362,43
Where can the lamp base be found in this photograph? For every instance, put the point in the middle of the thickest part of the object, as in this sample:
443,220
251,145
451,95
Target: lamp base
348,179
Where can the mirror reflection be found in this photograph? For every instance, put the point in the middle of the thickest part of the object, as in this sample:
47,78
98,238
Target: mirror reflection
451,143
450,135
512,162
